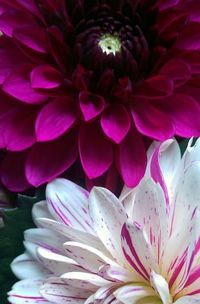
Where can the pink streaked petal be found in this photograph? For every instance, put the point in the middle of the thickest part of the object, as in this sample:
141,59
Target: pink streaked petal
115,122
127,197
108,216
25,267
91,105
91,259
190,155
175,261
134,293
37,166
164,163
194,234
40,210
156,173
57,264
192,285
186,196
104,292
188,300
159,283
111,299
68,203
43,238
95,150
184,242
131,158
91,280
26,291
150,212
18,85
72,234
136,250
90,299
117,274
56,291
75,282
45,77
55,118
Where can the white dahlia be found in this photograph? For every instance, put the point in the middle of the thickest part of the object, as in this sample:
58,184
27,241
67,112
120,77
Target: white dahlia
142,248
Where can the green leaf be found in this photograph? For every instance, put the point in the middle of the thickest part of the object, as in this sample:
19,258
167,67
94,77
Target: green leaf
184,143
16,221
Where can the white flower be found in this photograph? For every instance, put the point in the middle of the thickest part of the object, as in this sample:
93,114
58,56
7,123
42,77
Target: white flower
143,248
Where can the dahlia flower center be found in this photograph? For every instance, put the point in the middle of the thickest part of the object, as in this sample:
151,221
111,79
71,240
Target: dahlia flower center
110,44
110,40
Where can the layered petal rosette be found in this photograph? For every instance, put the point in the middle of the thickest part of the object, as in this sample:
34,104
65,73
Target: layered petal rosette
95,248
91,82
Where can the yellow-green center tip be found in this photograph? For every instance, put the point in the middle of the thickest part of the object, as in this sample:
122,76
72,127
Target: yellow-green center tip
110,44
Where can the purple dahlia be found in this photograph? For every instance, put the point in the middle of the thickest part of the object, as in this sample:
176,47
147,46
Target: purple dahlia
92,81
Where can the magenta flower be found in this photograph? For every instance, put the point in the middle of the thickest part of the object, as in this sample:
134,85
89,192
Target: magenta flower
90,80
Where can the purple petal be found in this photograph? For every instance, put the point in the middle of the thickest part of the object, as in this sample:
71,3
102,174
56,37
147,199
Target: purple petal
155,87
55,118
17,124
189,39
10,57
30,6
12,172
177,70
45,77
95,150
165,4
58,48
115,123
18,85
132,158
33,37
91,105
152,122
185,112
48,160
11,19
